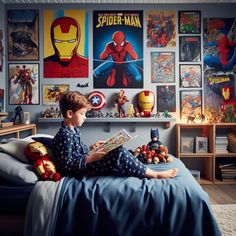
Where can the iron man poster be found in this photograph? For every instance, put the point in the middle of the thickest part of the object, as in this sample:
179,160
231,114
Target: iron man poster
65,44
118,49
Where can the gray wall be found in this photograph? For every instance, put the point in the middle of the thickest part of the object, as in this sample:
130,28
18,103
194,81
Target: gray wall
91,131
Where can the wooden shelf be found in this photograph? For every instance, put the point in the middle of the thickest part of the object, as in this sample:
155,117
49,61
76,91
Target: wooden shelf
17,129
108,121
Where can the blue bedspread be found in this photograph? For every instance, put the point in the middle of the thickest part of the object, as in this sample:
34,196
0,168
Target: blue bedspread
105,206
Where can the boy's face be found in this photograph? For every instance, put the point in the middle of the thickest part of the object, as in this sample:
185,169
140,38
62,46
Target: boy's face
78,117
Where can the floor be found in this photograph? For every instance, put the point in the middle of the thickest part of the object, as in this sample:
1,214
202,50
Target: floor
221,193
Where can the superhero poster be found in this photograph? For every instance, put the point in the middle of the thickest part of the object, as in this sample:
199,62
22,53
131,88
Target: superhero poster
22,35
66,44
161,29
213,98
52,93
118,49
23,84
166,98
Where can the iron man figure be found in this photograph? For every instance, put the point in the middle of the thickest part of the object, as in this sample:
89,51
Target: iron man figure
146,101
118,55
65,63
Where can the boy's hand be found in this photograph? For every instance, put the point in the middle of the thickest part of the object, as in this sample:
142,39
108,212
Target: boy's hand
96,144
95,156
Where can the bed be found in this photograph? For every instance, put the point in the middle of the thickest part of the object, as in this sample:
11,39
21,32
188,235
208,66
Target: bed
113,205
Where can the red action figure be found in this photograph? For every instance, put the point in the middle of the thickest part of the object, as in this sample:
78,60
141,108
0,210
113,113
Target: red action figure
120,102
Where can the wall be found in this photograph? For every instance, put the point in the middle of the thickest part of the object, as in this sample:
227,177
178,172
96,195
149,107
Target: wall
2,27
92,132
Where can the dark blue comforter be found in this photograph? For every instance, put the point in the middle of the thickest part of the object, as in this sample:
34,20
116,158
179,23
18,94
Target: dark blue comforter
112,205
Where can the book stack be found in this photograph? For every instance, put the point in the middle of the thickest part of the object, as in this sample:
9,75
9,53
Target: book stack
221,144
226,172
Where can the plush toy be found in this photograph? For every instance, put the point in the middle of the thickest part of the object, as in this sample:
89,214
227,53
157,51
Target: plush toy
37,154
154,143
162,154
146,101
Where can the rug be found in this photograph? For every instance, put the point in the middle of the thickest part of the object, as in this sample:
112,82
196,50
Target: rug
226,218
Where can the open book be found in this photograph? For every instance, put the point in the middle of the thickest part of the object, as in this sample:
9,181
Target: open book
113,142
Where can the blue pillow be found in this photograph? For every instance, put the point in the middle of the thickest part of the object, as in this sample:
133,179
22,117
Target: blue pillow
45,141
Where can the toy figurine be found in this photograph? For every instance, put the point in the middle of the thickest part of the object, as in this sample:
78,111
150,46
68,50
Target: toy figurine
120,102
154,143
131,111
37,154
146,100
162,154
19,115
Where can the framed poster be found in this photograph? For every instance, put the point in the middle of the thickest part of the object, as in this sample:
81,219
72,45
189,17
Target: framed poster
23,84
187,144
2,100
201,144
189,22
118,49
162,67
161,28
190,48
190,75
52,93
65,35
190,104
23,35
1,50
166,98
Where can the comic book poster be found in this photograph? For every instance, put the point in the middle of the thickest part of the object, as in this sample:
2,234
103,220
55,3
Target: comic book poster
190,104
22,35
52,93
190,75
1,100
219,44
118,49
162,67
23,83
166,98
213,99
1,50
161,29
189,48
65,44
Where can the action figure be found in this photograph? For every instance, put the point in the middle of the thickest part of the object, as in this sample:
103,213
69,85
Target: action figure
154,143
120,102
146,100
18,114
65,63
118,55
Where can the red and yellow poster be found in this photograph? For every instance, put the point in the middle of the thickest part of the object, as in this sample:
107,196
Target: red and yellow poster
65,44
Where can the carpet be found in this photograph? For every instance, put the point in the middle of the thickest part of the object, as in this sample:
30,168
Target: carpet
226,217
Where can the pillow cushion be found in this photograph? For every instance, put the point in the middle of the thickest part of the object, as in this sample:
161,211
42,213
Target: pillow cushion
15,147
15,171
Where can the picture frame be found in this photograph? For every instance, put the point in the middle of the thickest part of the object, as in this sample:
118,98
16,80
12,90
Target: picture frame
190,75
201,144
51,93
189,22
189,48
166,98
23,81
187,144
190,104
162,67
23,35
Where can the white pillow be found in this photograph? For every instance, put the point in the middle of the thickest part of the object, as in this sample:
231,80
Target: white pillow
15,171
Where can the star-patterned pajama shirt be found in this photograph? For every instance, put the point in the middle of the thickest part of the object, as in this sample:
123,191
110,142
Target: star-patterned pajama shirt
71,153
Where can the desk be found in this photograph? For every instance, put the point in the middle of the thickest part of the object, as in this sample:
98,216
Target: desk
17,129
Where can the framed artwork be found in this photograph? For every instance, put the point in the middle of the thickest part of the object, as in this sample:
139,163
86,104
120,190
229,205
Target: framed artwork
190,75
1,50
162,67
166,98
189,22
23,35
190,48
187,144
52,93
23,84
65,51
111,67
201,144
1,100
190,104
161,28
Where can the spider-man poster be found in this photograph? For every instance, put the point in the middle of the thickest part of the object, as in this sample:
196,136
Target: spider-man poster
118,49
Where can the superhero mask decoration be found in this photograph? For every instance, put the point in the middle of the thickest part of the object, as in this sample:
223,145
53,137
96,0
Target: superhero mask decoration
146,100
98,100
65,35
37,154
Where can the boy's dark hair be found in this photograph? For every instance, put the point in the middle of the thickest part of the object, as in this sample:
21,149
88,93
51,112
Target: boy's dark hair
74,101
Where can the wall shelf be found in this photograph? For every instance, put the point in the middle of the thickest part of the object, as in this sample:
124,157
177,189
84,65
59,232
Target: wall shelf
108,121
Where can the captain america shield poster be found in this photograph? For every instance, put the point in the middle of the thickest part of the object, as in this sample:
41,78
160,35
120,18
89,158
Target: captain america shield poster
118,49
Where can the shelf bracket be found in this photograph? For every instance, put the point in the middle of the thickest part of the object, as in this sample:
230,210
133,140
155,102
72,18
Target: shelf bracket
108,127
133,127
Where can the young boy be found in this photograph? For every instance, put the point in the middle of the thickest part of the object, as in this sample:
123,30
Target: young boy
73,157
